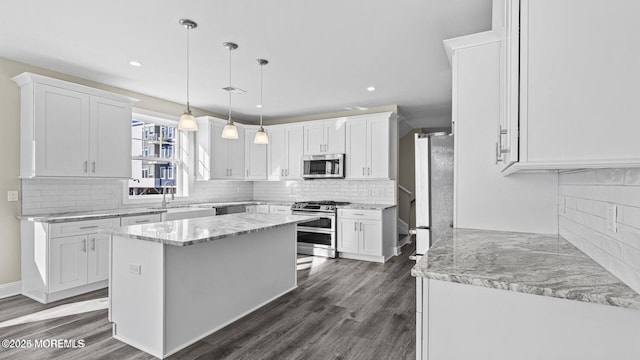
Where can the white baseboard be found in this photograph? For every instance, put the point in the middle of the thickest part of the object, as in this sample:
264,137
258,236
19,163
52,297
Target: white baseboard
403,227
10,289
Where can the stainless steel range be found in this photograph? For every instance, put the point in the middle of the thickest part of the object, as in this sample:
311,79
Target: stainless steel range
317,237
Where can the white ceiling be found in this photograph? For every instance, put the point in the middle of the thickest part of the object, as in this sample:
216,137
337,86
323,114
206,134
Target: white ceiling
323,54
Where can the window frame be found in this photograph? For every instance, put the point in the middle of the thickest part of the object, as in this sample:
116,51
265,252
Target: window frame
183,160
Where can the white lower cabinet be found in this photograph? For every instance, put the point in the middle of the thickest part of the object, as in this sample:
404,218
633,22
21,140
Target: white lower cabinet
68,262
61,260
367,234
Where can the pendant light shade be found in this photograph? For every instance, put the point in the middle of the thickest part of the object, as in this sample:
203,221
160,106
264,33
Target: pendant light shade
261,135
187,121
230,131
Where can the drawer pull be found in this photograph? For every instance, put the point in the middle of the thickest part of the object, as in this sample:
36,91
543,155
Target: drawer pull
358,214
142,221
88,227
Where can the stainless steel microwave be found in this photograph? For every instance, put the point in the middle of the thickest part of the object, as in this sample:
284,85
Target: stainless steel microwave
323,166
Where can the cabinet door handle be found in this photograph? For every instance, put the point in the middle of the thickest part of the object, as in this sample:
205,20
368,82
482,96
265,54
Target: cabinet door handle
93,166
363,171
360,226
498,157
369,171
93,244
84,245
325,147
355,226
247,172
320,147
88,227
85,166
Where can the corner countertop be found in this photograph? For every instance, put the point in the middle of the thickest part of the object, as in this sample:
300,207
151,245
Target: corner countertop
529,263
200,230
357,206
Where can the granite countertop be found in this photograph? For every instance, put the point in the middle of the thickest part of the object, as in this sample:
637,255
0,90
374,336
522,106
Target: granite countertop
357,206
113,213
529,263
91,215
200,230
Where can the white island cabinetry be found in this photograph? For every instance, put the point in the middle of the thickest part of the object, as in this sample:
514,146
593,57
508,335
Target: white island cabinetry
157,268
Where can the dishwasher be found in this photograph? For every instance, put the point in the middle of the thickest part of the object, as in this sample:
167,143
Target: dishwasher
232,209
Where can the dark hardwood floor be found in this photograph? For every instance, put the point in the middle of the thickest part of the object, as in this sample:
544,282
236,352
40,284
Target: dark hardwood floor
342,309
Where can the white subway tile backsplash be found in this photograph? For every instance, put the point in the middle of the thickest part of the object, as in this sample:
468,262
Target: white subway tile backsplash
588,197
373,192
632,177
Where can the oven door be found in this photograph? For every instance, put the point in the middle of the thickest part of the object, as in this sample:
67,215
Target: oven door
319,232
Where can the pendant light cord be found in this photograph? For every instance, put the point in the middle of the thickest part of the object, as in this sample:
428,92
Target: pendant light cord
230,121
261,102
188,107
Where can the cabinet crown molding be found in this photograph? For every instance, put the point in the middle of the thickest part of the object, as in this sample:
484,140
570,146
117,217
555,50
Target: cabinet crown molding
27,78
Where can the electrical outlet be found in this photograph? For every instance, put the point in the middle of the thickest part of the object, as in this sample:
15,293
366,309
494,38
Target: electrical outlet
135,269
12,196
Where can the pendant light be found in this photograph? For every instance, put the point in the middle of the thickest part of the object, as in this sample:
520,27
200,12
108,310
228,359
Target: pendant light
261,135
187,121
230,131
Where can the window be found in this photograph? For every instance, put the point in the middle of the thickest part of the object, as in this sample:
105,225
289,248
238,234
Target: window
157,158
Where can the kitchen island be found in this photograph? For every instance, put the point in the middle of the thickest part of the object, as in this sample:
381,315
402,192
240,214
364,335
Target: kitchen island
175,282
506,295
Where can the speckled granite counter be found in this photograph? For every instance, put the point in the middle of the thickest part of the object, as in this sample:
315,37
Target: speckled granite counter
199,230
357,206
529,263
90,215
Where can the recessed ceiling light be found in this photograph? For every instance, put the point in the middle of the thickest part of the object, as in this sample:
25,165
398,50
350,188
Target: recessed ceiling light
371,88
135,63
258,106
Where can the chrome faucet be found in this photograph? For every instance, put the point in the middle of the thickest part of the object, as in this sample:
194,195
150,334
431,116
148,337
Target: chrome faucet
164,194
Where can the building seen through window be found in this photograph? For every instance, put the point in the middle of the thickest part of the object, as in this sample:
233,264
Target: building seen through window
154,159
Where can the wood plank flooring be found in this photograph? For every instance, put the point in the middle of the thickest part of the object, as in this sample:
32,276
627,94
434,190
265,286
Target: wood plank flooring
342,309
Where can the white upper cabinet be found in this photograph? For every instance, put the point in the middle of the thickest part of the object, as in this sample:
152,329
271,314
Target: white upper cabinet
285,151
577,86
255,156
324,137
107,119
218,158
70,130
371,146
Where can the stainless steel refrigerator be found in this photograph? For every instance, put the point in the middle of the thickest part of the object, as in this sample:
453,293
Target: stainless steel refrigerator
434,188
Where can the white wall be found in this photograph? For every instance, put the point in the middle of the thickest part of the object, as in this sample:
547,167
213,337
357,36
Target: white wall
584,201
